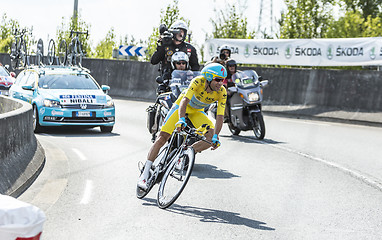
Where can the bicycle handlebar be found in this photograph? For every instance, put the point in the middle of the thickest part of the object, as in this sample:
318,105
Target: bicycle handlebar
78,32
198,133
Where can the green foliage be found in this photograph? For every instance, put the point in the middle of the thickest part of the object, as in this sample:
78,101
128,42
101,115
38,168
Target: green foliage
6,34
104,49
352,25
168,17
306,18
75,24
230,24
365,7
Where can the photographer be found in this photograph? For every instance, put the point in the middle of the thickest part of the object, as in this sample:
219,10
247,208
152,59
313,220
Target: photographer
171,41
224,55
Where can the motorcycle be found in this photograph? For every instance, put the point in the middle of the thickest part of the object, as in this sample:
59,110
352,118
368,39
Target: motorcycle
167,93
244,104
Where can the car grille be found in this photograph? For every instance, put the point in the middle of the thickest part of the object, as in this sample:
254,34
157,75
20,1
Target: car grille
78,106
79,119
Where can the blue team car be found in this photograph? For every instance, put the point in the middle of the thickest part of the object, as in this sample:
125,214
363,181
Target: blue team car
64,96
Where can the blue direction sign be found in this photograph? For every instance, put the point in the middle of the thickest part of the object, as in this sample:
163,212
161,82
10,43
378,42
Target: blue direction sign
132,50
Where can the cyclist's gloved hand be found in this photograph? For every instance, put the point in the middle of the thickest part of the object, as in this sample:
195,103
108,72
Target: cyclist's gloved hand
181,122
216,141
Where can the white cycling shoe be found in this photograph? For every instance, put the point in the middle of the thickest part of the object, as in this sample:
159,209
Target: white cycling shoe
179,164
142,183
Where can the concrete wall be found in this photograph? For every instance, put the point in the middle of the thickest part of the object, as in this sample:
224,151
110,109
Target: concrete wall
21,156
332,89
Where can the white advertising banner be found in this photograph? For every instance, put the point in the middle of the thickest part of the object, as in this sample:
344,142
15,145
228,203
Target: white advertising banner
301,52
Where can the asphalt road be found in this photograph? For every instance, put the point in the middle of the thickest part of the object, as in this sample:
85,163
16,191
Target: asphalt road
306,180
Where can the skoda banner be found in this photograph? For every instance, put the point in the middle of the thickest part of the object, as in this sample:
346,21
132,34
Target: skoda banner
301,52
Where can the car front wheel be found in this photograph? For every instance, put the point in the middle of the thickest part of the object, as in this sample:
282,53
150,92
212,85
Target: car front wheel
36,125
106,129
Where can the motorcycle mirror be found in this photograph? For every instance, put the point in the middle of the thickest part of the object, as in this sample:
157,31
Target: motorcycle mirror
159,80
264,83
261,78
232,89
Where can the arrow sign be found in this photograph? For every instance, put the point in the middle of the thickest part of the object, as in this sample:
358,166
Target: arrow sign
132,50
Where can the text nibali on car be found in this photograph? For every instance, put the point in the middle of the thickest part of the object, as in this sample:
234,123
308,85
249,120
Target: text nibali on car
6,79
64,96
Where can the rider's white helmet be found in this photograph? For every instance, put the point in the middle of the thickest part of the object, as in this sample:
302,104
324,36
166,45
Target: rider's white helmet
180,24
177,57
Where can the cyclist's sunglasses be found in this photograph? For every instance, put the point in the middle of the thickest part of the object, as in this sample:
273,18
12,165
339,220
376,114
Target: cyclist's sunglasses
181,63
217,79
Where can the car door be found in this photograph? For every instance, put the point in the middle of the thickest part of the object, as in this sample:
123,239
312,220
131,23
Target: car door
30,83
16,90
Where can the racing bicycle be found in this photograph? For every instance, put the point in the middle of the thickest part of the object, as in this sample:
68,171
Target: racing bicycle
18,50
173,166
75,49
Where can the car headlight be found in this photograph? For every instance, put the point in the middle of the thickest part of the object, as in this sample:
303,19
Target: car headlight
51,103
253,97
109,104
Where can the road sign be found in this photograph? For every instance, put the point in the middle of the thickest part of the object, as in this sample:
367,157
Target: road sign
132,50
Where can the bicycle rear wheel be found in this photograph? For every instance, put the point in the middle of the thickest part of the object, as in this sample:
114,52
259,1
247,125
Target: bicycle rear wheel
23,55
51,52
174,180
62,52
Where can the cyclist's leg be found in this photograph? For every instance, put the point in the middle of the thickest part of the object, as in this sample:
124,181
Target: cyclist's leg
167,128
198,119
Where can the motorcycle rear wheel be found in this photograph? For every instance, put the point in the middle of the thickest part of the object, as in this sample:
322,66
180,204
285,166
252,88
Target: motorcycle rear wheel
258,125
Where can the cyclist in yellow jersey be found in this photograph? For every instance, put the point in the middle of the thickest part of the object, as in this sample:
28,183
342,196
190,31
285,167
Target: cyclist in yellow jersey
202,91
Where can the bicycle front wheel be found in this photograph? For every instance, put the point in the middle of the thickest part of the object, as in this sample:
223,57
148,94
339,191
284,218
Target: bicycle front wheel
176,177
51,52
62,52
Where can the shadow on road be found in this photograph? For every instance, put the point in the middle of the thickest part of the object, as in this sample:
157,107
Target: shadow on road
76,131
250,139
204,171
212,215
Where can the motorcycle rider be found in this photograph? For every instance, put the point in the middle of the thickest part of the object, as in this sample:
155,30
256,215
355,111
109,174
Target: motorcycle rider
231,70
224,55
203,91
179,61
170,42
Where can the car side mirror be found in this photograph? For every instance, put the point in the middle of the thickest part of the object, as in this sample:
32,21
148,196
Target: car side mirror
27,87
261,78
105,88
159,79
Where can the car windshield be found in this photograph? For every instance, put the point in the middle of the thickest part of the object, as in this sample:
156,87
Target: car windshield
67,81
3,72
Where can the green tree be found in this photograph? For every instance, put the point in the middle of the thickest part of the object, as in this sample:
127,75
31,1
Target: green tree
104,48
75,24
352,25
230,24
168,17
306,18
7,27
365,7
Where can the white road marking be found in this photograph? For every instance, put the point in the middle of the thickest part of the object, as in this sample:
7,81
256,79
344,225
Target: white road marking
79,154
50,193
87,193
369,180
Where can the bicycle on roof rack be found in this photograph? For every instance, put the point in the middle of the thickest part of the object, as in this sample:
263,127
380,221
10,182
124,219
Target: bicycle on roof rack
19,50
75,54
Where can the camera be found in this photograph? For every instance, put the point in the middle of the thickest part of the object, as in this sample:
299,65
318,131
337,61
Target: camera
167,35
